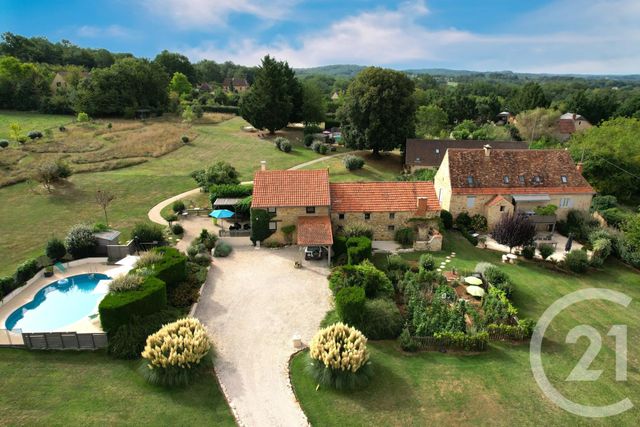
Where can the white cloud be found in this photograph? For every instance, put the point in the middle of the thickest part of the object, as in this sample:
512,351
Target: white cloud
211,13
89,31
596,36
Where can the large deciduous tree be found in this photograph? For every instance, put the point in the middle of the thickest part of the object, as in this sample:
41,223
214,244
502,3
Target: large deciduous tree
431,120
313,105
538,123
530,96
179,84
176,63
268,103
378,112
514,230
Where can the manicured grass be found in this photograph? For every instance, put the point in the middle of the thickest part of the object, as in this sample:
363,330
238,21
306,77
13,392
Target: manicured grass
496,387
85,388
30,216
383,168
31,121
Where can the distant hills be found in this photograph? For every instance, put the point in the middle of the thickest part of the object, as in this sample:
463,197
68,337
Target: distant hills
350,70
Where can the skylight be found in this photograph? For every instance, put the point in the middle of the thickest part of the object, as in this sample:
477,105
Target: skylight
564,179
470,180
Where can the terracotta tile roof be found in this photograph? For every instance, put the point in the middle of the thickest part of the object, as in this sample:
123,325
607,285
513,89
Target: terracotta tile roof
430,152
278,188
497,200
382,196
472,172
314,230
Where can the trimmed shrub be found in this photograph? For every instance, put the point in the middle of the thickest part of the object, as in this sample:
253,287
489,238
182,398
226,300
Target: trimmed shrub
339,357
25,271
172,268
308,140
34,134
462,341
405,236
396,268
223,249
352,162
406,341
311,129
4,143
176,353
7,285
126,282
577,261
82,117
177,229
350,304
339,247
207,239
178,206
184,139
109,125
381,319
147,233
202,259
470,237
478,223
374,282
529,252
80,241
427,262
463,221
323,149
117,309
127,342
230,190
521,331
358,250
55,249
447,219
22,139
285,146
546,250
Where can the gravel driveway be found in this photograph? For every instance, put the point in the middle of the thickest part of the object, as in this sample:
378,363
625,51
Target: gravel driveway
253,303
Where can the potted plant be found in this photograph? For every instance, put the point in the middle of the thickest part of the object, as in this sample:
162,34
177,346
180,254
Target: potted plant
48,271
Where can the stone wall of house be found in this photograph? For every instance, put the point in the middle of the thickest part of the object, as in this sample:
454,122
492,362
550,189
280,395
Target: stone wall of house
289,215
442,184
434,244
581,202
379,222
495,212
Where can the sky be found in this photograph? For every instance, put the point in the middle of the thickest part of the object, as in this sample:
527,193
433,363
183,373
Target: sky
540,36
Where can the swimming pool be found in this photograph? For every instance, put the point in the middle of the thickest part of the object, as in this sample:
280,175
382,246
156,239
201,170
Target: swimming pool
60,303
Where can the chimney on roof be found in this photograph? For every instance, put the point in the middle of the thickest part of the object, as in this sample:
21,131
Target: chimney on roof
422,204
574,116
263,165
579,167
487,150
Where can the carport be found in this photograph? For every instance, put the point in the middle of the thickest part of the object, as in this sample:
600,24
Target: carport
315,231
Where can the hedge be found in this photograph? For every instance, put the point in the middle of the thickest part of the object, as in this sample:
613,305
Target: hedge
230,190
119,308
358,249
339,246
260,225
221,109
523,330
473,240
462,341
172,270
7,285
350,304
25,271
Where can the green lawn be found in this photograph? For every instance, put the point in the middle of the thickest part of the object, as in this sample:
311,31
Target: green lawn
496,387
383,168
85,388
30,121
30,217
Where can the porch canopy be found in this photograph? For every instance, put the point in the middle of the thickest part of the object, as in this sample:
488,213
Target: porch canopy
226,201
315,231
531,198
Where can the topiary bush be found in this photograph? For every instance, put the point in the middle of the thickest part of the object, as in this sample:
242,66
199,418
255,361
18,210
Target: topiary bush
25,271
427,262
147,233
529,251
286,147
405,236
350,304
178,206
447,219
80,241
223,249
175,355
55,249
546,250
358,250
34,134
4,143
478,223
184,139
82,117
172,268
308,140
339,358
128,341
352,162
177,229
577,261
463,221
119,308
381,319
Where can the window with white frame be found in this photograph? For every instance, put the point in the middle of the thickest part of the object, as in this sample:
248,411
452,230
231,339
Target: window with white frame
566,202
273,225
471,201
271,210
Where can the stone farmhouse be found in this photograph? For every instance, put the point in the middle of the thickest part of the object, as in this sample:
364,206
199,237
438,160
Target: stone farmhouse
319,209
63,79
235,84
428,153
496,182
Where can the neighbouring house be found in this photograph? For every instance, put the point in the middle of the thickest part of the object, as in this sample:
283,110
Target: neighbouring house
335,96
318,210
236,84
204,87
63,79
428,153
493,182
570,123
504,118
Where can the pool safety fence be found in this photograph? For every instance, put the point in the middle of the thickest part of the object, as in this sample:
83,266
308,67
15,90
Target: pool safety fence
53,340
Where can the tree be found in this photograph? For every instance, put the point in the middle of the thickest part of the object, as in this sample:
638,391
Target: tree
180,84
529,97
431,120
22,85
313,105
596,105
104,199
48,173
80,241
176,63
219,173
459,107
538,123
55,249
611,156
268,103
208,71
378,112
514,230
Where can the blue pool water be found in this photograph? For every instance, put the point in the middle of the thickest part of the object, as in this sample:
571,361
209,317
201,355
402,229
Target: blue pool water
60,303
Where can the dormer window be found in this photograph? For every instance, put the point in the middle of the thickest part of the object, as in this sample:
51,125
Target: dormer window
417,159
536,179
470,180
521,179
564,179
505,179
437,151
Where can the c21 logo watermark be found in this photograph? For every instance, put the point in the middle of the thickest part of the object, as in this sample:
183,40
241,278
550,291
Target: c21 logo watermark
581,372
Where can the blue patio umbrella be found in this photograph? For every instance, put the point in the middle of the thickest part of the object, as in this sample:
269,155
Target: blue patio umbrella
221,214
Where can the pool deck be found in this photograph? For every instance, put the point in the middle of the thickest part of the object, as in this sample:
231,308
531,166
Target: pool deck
27,293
